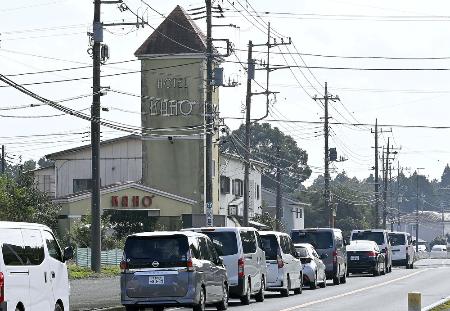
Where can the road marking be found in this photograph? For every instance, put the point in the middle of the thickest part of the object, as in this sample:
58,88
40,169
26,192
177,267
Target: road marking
352,292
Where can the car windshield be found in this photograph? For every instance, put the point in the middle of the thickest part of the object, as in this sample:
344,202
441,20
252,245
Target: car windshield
225,242
318,239
377,237
270,246
143,251
397,239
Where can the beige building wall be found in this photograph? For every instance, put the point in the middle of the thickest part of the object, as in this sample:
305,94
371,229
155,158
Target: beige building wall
173,91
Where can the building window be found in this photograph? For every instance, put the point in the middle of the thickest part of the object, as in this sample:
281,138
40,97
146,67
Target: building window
224,184
82,185
238,187
257,192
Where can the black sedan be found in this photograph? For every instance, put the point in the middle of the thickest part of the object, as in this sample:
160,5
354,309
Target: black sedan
365,256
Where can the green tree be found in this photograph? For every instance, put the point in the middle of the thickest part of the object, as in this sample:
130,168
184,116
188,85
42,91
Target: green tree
264,141
21,201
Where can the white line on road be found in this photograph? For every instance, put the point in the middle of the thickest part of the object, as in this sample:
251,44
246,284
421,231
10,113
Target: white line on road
352,292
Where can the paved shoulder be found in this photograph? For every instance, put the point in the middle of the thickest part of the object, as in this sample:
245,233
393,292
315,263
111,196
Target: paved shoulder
93,293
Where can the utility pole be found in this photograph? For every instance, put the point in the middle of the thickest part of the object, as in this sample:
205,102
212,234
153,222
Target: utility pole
3,159
278,198
326,152
208,117
417,208
248,100
443,219
251,75
386,168
398,196
391,218
377,198
95,141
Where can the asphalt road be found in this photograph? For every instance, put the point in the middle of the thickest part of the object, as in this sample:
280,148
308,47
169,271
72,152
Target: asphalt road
361,292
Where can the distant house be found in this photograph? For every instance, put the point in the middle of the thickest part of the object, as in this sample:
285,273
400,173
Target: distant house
431,224
293,212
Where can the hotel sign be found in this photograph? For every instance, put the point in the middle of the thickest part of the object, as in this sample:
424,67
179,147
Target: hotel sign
131,201
166,107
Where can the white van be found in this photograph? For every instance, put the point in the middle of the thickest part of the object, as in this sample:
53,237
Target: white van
402,249
284,269
242,254
33,273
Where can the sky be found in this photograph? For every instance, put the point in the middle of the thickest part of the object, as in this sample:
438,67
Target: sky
43,41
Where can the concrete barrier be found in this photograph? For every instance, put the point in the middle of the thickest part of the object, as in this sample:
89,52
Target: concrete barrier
414,301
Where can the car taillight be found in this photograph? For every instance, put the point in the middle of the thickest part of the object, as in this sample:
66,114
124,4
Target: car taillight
2,287
371,254
241,264
123,265
334,256
190,265
280,262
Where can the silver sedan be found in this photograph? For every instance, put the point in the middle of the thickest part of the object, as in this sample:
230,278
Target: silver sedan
313,266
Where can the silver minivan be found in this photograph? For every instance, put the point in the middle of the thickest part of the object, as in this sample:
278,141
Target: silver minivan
241,251
162,269
33,272
330,246
284,269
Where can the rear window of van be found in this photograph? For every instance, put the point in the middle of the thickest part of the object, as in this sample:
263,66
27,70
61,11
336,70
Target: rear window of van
397,239
377,237
224,242
22,247
318,239
270,246
167,251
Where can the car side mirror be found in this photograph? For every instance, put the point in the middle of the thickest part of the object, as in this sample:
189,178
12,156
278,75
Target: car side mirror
323,256
346,242
220,261
68,253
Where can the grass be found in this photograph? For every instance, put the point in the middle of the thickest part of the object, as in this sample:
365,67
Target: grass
443,307
77,272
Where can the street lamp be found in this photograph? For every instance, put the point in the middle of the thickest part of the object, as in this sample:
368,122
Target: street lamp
417,207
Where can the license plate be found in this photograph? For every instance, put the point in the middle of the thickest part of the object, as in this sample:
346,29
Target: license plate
156,280
354,257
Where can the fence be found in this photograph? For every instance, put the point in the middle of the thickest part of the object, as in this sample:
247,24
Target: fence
108,258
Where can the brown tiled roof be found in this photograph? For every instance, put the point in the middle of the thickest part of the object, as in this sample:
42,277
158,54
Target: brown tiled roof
177,34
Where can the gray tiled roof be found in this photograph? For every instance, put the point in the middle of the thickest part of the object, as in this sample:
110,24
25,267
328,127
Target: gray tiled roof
177,34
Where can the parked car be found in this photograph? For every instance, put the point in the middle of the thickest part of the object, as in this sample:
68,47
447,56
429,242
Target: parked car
284,269
161,269
33,273
438,251
402,249
313,267
365,256
241,251
379,236
327,241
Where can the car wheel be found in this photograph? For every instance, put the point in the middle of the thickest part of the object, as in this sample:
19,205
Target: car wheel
344,277
299,290
223,305
376,271
285,292
245,300
336,279
383,271
133,308
157,308
313,285
201,302
58,307
260,295
411,266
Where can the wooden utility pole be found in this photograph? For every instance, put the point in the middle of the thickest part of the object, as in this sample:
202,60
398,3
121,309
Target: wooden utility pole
377,185
385,177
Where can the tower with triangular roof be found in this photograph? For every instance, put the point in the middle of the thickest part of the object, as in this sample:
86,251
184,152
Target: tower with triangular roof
173,89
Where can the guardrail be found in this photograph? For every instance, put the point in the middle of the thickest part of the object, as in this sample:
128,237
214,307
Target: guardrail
82,257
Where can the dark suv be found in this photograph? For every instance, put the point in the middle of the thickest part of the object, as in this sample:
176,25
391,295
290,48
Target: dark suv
162,269
330,246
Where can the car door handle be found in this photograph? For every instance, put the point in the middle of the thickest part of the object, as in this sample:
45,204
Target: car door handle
53,274
45,277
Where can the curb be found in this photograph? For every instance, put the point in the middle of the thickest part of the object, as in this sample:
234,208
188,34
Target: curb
438,303
114,308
